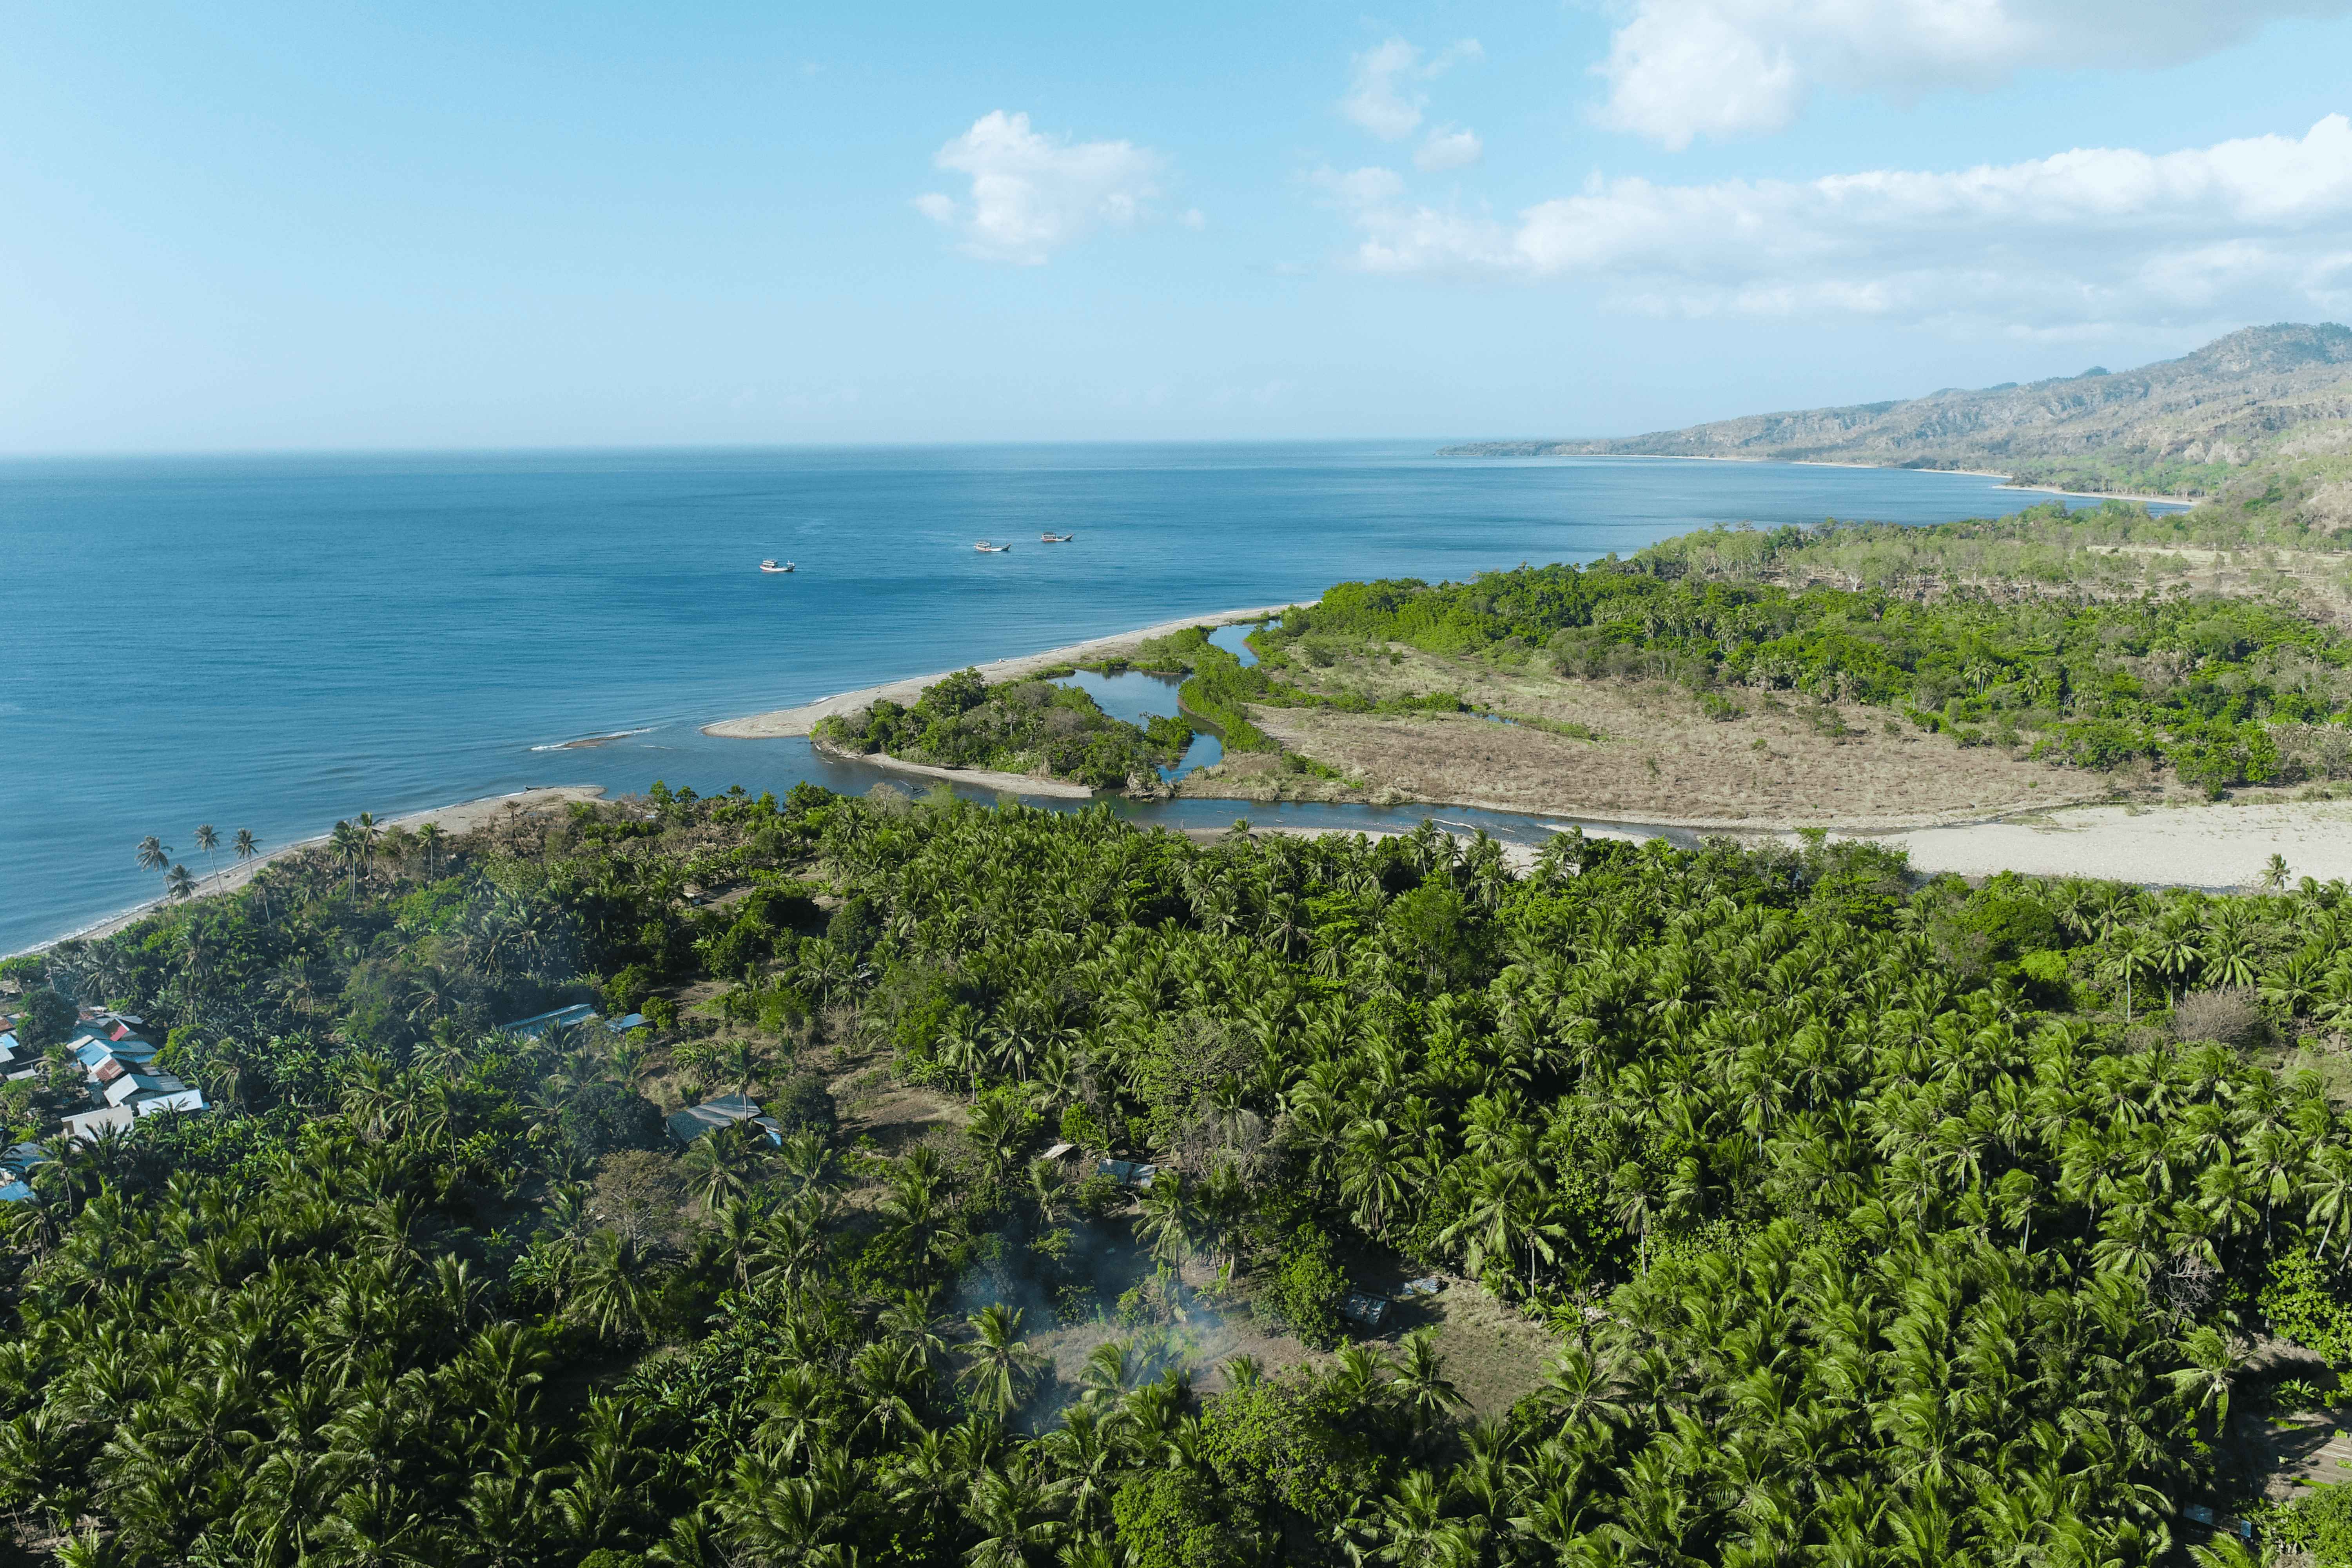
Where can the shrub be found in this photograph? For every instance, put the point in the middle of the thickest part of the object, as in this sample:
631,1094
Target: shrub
45,1020
1308,1288
2011,926
855,927
1166,1518
1080,1126
2304,1302
603,1117
626,992
2319,1522
804,1105
2227,1013
1286,1445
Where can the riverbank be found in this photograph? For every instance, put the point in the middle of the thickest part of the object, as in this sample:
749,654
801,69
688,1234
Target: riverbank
978,778
783,721
458,818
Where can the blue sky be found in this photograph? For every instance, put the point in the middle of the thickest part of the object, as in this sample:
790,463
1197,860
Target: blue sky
298,227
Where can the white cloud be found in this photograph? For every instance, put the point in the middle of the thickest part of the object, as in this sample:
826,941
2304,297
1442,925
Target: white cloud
1384,94
1683,68
1033,195
1451,148
1364,190
2095,235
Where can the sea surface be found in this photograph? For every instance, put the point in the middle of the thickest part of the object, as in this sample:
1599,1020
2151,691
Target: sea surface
272,643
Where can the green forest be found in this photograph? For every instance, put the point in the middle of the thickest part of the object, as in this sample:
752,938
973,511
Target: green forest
1016,726
1869,1220
2222,690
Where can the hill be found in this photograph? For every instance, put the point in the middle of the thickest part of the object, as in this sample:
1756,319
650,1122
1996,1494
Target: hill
2187,427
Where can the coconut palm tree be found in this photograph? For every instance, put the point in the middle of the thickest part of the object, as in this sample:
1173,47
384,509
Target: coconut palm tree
246,847
154,854
1420,1383
208,841
1171,1218
179,883
998,1365
430,838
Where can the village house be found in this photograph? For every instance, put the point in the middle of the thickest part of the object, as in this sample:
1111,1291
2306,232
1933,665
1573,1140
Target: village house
726,1110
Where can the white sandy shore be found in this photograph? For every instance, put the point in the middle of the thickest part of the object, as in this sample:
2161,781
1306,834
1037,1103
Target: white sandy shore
798,720
2189,845
462,816
2216,845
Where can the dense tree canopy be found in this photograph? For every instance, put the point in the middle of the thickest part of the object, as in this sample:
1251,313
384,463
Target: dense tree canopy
1874,1222
1017,726
2227,690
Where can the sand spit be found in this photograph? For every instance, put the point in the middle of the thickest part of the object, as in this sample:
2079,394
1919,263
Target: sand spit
798,720
2223,844
463,816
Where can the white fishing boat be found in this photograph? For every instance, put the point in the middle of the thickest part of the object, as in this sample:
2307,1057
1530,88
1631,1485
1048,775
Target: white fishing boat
986,548
1056,538
775,565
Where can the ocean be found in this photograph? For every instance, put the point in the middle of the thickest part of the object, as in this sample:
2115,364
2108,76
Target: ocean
272,642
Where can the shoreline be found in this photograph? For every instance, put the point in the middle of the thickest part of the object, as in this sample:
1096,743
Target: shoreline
457,816
779,722
2008,481
980,778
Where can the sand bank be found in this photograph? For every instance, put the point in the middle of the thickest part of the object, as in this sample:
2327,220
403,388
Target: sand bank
979,778
463,816
798,720
2220,844
2202,846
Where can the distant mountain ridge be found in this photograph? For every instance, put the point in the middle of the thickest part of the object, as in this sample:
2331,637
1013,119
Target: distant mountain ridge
2177,428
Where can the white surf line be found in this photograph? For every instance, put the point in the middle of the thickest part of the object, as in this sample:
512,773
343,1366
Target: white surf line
586,740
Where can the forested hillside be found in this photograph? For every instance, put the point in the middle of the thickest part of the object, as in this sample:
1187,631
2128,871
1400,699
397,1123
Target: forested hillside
2186,427
1874,1223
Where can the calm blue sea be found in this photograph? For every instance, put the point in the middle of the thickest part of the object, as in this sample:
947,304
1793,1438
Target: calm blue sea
272,642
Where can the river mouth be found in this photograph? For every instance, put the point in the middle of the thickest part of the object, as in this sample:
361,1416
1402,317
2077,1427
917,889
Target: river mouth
1140,696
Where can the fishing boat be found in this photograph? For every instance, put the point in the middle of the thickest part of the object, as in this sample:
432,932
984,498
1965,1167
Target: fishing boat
775,565
1056,538
987,548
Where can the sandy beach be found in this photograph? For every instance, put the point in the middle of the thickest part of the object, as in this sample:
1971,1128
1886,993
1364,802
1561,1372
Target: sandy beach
798,720
2220,844
462,816
2216,845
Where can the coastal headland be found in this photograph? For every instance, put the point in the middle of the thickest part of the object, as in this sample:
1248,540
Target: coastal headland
783,721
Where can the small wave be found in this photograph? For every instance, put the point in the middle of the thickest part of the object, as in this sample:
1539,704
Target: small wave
587,741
